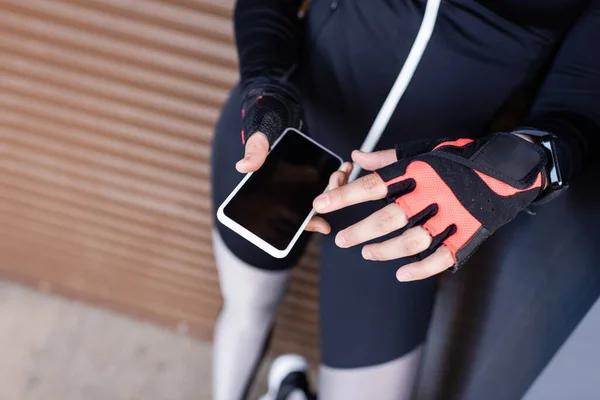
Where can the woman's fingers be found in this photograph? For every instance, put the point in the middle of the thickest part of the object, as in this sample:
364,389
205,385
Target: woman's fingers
319,225
389,219
346,168
256,150
436,263
340,177
413,241
337,179
369,187
374,160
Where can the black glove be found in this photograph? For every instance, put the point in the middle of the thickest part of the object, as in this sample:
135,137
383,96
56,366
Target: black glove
271,111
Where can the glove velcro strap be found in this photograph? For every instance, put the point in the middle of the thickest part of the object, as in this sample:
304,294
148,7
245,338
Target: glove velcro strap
510,159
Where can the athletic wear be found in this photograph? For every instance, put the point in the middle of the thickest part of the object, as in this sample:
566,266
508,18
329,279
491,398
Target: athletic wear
340,63
464,190
500,319
341,310
250,299
268,34
495,47
269,110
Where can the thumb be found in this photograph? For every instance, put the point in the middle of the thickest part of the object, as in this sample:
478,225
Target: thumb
375,160
257,148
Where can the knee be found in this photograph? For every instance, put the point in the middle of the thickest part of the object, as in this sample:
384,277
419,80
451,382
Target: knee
251,300
248,292
249,308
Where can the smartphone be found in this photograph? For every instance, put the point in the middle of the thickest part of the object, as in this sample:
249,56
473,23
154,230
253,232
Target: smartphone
272,206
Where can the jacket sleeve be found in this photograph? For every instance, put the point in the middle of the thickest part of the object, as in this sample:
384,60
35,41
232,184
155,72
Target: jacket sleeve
268,35
568,104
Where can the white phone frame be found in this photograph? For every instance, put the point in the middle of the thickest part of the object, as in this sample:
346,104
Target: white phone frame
251,237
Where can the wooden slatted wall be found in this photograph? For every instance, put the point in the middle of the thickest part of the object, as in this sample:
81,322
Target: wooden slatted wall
107,110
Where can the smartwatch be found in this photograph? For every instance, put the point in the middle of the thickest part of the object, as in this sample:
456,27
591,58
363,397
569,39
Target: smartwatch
555,177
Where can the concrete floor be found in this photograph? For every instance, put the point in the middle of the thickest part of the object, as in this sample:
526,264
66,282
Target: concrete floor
55,349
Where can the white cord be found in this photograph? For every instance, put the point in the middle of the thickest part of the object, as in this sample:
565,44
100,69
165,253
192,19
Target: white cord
404,78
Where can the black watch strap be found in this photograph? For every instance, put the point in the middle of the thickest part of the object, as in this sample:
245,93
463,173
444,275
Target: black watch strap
556,183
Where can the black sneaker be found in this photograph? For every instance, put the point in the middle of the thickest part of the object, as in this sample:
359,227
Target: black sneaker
288,374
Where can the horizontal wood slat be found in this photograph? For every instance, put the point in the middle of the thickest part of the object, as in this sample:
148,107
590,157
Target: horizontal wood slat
107,111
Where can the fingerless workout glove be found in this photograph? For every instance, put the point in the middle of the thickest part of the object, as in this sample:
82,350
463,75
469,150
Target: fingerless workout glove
270,111
463,191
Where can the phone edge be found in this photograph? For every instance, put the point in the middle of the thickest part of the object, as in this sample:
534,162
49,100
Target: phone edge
251,237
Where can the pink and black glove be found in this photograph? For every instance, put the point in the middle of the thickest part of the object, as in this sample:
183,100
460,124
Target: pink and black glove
462,191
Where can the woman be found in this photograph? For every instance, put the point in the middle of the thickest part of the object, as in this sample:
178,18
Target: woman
330,73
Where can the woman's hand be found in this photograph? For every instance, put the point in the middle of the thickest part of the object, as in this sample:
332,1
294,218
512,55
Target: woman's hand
257,148
451,199
266,113
389,219
338,178
255,153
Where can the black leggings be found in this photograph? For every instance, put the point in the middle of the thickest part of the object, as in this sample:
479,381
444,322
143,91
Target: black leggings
496,323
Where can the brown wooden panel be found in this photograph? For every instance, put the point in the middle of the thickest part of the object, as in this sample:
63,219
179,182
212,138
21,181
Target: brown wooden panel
107,109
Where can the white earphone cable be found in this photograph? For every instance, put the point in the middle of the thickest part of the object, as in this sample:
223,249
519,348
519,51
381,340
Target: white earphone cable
402,81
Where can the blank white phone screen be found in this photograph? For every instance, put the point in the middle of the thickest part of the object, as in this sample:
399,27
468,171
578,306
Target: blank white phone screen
276,199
